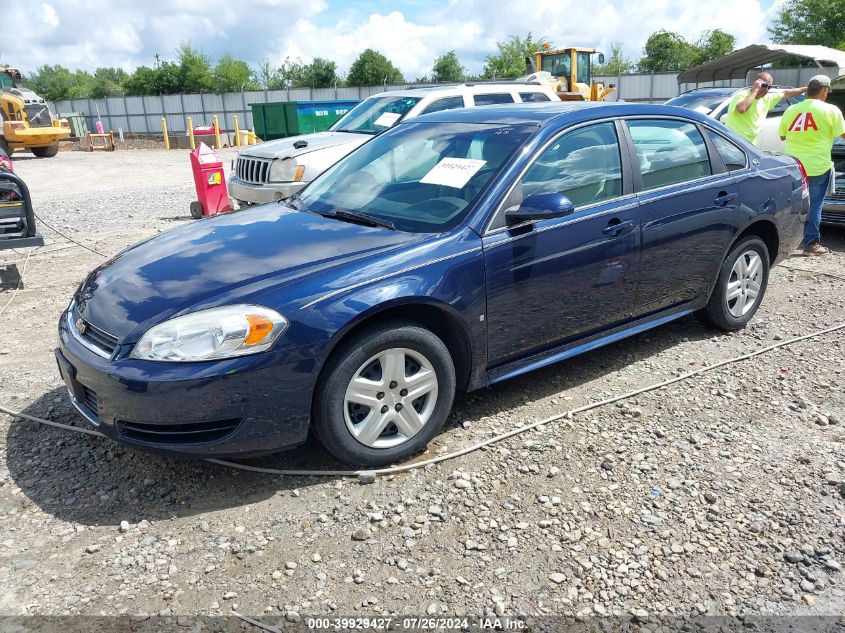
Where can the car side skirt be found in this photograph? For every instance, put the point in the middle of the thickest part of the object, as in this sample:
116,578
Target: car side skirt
574,348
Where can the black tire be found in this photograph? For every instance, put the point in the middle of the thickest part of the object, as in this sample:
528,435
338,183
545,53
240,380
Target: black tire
329,417
4,147
45,152
196,210
718,309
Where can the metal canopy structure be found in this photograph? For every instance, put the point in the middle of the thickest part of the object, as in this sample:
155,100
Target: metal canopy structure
737,64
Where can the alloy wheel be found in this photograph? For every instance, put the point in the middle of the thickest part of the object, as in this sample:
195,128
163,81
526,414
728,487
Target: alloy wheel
743,287
390,398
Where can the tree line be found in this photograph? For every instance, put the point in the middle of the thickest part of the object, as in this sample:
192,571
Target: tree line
191,71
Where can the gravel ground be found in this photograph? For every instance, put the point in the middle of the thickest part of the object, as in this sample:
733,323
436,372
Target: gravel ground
722,494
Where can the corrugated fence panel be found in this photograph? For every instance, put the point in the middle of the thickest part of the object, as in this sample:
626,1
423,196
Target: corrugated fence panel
143,114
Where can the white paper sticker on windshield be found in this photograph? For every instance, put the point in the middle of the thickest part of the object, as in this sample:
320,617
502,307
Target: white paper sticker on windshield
702,109
453,172
387,119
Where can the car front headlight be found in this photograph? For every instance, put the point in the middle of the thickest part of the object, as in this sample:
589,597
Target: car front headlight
283,170
212,334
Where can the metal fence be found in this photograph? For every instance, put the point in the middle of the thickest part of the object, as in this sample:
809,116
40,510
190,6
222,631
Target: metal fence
142,115
657,87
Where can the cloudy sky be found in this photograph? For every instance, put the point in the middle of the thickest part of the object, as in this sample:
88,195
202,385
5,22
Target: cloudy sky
127,33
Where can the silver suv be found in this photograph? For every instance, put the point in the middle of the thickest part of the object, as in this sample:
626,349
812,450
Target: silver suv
278,169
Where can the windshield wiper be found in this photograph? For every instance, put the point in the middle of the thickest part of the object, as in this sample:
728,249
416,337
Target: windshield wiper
368,132
292,202
361,218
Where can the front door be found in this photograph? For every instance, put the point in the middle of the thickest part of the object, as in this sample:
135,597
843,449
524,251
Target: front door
553,280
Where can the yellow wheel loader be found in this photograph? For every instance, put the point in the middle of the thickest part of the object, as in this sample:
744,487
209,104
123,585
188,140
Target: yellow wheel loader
27,122
568,72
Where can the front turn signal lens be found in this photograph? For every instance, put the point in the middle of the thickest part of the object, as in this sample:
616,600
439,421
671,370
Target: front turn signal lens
259,328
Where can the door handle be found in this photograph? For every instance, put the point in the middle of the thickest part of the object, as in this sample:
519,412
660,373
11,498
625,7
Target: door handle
724,197
617,227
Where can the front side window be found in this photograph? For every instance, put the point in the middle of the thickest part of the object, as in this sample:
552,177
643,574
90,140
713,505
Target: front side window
584,165
668,151
533,97
448,103
421,177
492,99
557,65
375,115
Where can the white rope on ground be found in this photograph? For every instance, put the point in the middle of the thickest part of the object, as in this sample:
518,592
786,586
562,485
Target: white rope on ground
813,272
479,445
18,287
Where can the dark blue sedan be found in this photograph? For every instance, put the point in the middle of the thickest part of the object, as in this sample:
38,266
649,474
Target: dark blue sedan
455,251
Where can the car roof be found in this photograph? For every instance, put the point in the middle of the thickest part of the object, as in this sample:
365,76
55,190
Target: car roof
714,90
472,87
540,114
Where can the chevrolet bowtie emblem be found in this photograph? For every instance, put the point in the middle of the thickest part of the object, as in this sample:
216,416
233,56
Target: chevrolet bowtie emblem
81,326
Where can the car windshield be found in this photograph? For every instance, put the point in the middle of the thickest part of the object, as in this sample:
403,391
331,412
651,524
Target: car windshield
421,177
375,115
703,103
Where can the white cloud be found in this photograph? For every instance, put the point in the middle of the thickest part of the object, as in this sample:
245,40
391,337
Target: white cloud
49,15
128,33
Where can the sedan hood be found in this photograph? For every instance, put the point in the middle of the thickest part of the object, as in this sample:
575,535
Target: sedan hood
283,147
221,260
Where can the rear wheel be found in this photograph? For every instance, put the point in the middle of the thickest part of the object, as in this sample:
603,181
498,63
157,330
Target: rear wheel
741,285
46,152
384,395
196,210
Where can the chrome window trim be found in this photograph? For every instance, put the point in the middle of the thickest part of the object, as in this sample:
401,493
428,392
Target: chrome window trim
488,231
713,179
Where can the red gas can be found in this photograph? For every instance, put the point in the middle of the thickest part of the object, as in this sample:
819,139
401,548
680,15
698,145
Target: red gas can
212,194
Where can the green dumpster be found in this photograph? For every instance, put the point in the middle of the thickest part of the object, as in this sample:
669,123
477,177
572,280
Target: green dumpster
278,119
78,126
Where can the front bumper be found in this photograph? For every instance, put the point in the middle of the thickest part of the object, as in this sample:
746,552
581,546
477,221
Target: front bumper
833,210
239,407
260,194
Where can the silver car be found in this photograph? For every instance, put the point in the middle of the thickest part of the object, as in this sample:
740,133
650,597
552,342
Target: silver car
276,170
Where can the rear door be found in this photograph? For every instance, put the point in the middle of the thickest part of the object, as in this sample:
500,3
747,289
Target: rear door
558,279
686,208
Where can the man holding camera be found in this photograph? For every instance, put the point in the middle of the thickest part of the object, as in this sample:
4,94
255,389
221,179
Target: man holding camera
748,108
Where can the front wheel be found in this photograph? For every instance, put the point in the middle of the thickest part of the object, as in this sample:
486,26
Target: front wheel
46,152
384,395
741,285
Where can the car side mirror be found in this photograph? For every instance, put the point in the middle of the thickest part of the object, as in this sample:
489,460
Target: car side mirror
541,206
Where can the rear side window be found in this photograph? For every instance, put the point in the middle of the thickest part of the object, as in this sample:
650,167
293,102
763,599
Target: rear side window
584,165
779,109
492,99
732,156
529,97
668,151
448,103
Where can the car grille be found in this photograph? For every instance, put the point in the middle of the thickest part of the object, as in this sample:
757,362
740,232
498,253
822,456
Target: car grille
90,400
185,433
38,115
252,170
93,336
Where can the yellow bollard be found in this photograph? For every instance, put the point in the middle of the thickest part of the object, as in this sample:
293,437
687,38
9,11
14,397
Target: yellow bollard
250,138
164,130
191,133
237,131
216,132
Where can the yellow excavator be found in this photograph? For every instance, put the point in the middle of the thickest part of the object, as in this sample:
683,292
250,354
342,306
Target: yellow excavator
568,72
27,122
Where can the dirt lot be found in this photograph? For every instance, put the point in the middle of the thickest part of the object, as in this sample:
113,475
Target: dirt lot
720,494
